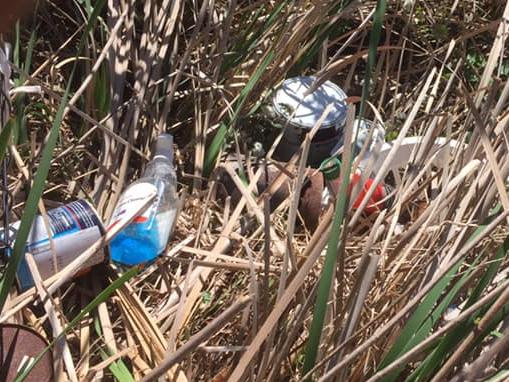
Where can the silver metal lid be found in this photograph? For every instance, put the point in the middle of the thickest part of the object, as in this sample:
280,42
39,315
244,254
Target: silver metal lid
290,98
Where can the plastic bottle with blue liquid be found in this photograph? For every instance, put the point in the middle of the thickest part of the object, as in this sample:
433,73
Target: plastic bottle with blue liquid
147,235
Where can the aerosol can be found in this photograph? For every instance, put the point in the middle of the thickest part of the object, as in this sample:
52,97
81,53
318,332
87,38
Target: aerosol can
147,236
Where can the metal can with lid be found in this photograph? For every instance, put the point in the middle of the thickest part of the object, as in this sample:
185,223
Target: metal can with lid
292,107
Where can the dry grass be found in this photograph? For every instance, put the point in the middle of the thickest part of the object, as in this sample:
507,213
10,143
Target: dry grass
233,295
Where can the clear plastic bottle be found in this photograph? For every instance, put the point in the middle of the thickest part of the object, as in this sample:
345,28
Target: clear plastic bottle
147,236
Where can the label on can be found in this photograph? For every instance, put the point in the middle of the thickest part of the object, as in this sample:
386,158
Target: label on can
74,228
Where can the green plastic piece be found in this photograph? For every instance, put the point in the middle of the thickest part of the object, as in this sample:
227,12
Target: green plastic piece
330,168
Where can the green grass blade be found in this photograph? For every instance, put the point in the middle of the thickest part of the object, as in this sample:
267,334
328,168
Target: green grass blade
17,45
118,368
433,318
320,34
222,133
418,328
449,342
99,299
498,318
30,50
5,134
325,282
374,39
215,147
417,318
250,39
421,322
499,377
102,91
315,331
424,374
31,204
98,7
40,178
252,82
328,270
21,134
421,312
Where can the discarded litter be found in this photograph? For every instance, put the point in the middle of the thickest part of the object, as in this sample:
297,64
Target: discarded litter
297,110
146,237
292,107
74,227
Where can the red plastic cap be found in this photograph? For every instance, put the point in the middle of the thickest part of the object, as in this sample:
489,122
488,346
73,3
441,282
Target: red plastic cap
375,202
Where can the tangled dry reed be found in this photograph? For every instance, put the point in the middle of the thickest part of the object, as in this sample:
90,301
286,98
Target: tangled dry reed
232,298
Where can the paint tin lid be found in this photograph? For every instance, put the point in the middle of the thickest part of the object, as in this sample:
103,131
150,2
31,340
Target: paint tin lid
290,97
20,345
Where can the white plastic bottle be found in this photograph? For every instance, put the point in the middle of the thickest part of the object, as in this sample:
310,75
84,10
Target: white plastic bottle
147,236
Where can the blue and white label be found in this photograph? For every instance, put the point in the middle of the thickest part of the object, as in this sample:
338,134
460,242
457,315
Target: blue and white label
73,227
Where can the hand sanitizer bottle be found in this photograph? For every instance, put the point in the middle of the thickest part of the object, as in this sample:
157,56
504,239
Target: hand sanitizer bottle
147,236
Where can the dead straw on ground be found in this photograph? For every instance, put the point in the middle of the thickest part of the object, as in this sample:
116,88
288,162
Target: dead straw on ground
232,297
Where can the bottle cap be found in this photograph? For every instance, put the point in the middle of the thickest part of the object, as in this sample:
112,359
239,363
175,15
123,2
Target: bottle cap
164,146
330,168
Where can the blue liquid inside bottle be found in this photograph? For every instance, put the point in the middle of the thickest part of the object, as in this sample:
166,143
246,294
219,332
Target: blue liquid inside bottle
137,243
147,236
